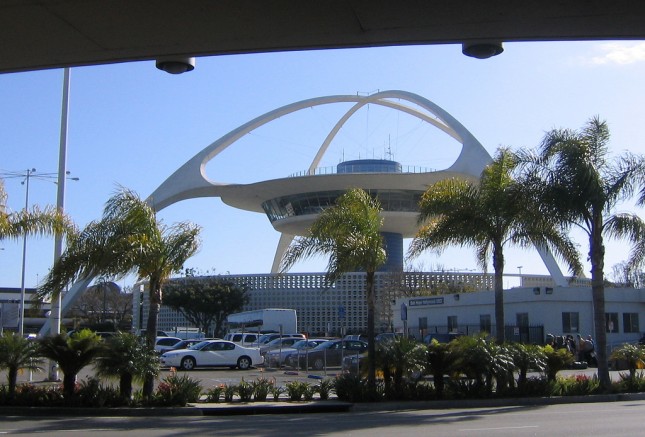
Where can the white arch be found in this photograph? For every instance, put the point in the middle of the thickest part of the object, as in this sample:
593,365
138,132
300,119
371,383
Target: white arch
190,180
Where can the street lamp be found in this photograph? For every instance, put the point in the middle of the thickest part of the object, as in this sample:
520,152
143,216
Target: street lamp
519,268
26,176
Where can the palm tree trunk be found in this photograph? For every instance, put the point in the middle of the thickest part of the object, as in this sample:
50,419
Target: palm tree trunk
498,267
12,378
371,347
597,257
69,382
151,330
125,385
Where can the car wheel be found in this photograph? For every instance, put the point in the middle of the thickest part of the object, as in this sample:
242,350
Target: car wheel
188,363
244,363
319,364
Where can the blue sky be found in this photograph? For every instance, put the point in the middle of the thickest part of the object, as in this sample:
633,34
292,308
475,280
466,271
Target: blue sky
133,125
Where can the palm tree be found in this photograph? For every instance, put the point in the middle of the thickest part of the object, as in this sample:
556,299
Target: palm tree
577,184
125,357
127,239
47,221
349,233
71,353
398,358
17,352
488,215
441,359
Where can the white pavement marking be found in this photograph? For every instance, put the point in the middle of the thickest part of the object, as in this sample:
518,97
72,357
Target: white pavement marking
498,429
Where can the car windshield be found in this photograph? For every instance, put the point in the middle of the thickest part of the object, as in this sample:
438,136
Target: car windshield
325,345
266,338
198,346
301,344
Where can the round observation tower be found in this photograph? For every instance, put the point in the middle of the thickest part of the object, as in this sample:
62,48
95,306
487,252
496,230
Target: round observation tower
293,203
295,213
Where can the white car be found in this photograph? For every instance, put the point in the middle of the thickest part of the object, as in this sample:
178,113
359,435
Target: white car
213,353
163,344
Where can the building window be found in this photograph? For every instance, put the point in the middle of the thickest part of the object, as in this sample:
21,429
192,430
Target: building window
630,322
485,324
611,319
522,319
452,324
570,323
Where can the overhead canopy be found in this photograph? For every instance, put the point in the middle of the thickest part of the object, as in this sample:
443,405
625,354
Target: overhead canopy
39,34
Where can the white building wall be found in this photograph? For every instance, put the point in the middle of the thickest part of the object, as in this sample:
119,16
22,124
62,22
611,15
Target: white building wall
544,306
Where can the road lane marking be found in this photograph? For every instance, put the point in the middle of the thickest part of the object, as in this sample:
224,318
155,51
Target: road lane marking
499,428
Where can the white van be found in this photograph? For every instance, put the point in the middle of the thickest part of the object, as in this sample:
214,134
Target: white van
248,339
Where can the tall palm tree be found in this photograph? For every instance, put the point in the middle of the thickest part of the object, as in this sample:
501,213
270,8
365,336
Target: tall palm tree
577,183
36,221
123,356
488,215
127,239
349,233
17,352
71,353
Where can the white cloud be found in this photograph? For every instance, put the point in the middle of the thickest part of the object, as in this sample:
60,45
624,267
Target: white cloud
619,53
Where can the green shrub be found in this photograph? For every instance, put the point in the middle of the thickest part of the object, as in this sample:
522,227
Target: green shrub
229,392
631,384
349,388
556,360
38,396
296,390
425,391
353,388
214,394
578,385
276,392
465,388
261,389
309,392
324,388
177,391
633,355
534,386
91,393
245,390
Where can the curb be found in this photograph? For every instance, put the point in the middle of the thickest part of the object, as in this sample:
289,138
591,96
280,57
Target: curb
328,406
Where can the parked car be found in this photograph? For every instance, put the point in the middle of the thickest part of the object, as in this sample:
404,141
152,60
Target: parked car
278,343
387,336
247,339
163,344
213,353
327,354
266,338
353,363
142,333
441,338
277,357
185,344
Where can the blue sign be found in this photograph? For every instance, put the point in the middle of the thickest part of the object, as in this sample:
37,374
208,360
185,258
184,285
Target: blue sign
341,312
404,312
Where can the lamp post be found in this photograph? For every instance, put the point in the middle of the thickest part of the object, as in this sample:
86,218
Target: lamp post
26,177
21,324
55,314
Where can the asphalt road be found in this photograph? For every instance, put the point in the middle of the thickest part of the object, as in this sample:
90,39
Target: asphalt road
568,420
